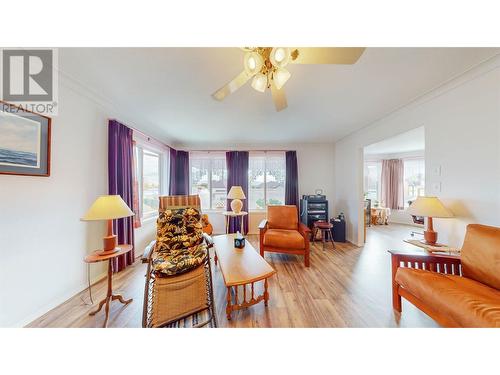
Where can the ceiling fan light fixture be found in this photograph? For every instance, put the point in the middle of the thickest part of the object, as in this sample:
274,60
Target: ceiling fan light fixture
259,82
280,76
280,56
253,63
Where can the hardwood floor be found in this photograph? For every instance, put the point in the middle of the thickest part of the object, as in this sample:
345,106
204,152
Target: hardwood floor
344,287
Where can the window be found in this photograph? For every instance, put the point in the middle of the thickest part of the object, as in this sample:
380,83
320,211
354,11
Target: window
266,180
208,178
149,176
373,173
414,179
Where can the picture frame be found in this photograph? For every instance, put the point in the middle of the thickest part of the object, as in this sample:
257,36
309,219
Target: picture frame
25,138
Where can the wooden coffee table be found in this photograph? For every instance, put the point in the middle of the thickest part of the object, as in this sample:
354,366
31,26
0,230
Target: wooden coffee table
241,267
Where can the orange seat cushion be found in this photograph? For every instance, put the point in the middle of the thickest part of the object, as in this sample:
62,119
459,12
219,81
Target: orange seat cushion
283,239
467,302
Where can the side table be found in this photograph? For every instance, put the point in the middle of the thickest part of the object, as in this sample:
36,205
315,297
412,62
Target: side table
94,258
229,214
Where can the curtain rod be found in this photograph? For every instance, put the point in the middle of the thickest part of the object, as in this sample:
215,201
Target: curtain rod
143,134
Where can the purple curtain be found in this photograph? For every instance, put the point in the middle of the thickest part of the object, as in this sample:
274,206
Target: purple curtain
392,184
179,172
120,182
237,175
292,179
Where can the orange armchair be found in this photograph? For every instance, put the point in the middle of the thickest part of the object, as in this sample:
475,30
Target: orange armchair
281,232
455,291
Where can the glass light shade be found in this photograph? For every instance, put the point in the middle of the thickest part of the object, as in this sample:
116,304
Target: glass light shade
280,77
108,207
429,207
236,192
280,56
253,62
259,82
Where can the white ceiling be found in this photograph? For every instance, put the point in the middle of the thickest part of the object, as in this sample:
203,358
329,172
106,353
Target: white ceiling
167,91
413,140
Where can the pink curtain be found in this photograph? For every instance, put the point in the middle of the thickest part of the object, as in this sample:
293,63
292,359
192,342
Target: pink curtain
392,184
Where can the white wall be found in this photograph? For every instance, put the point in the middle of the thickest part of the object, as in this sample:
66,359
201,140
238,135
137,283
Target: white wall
462,136
314,167
42,240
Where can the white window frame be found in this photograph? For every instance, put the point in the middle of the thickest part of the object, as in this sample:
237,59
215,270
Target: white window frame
205,155
407,159
140,148
264,154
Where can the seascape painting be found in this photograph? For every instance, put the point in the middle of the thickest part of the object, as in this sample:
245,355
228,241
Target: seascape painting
20,139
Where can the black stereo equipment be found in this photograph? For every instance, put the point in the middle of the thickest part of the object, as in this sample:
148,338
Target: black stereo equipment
313,208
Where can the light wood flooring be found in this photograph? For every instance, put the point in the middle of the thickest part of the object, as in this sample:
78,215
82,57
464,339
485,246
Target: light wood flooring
344,287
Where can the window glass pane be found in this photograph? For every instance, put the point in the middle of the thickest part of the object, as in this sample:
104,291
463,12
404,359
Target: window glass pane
256,183
372,178
199,179
219,182
150,182
275,179
414,179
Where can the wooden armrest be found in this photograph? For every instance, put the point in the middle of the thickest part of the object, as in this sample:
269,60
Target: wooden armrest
208,239
263,224
304,229
148,251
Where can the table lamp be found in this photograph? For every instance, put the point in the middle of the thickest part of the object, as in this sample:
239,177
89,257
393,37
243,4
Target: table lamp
236,194
430,207
108,207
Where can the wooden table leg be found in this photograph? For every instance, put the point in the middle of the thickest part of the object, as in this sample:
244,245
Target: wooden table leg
266,293
323,234
228,306
109,296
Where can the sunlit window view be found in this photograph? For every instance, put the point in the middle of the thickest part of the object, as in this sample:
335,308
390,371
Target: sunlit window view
414,179
266,179
373,171
148,172
208,179
150,182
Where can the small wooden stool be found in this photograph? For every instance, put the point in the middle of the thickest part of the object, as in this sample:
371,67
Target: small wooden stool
326,231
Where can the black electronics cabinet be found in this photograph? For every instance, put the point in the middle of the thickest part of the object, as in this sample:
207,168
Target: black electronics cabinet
313,208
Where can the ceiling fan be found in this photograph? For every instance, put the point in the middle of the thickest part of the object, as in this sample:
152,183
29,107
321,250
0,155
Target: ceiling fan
266,65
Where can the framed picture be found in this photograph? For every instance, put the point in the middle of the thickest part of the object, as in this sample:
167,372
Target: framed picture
24,142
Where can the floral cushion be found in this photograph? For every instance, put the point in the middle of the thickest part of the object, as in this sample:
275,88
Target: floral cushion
179,241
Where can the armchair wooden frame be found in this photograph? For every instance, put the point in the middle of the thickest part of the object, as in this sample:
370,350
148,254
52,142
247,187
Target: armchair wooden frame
302,229
446,264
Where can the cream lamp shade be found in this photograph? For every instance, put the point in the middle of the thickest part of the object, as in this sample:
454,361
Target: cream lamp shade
236,193
108,207
429,207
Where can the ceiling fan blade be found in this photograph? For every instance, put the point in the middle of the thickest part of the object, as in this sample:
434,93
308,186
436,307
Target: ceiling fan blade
279,97
232,86
325,55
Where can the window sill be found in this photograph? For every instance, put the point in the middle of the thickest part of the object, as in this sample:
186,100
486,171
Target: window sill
149,219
